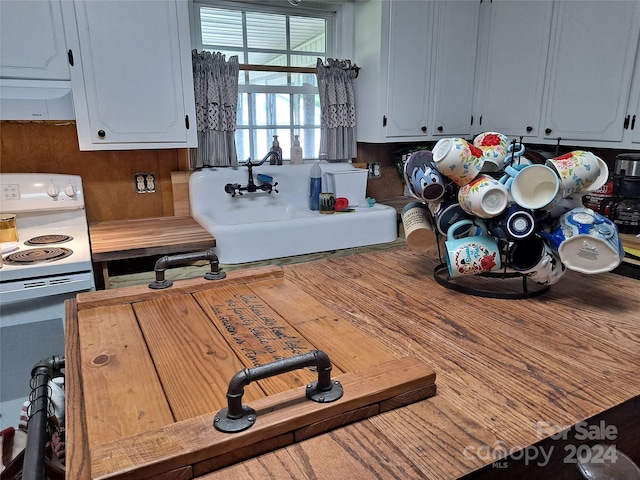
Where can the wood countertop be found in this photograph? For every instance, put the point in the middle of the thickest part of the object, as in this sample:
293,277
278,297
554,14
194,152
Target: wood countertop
509,373
122,239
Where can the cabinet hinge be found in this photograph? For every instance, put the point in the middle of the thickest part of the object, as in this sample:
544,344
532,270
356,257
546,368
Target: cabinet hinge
70,56
186,121
384,120
625,124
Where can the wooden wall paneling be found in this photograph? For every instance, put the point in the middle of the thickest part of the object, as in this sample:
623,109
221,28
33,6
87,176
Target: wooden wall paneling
107,176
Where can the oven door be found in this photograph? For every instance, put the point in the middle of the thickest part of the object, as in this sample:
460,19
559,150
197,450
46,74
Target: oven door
31,329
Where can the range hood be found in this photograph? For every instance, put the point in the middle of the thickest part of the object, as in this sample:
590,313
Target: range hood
36,100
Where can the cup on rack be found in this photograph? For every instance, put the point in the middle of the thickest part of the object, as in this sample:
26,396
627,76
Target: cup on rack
531,186
458,159
534,258
471,255
421,174
578,171
448,213
515,223
484,197
494,147
586,241
419,230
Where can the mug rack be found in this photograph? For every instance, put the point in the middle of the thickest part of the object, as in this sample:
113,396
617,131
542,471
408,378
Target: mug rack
499,284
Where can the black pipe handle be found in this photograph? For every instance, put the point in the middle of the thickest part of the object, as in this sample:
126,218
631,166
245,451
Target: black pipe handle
165,262
238,417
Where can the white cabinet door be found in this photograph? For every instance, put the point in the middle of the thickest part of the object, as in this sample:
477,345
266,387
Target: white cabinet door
132,80
32,40
456,28
513,57
410,44
590,69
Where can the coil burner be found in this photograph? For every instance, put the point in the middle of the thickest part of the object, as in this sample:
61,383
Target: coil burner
37,255
48,239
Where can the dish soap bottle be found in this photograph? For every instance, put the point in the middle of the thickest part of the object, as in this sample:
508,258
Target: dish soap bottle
296,151
315,186
275,147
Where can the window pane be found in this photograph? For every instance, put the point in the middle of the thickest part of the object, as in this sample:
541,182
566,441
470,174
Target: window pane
243,147
243,109
272,109
308,34
221,27
267,78
266,31
304,79
305,60
306,110
267,58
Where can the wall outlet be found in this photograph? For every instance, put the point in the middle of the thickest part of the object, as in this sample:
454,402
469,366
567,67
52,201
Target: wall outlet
145,182
374,170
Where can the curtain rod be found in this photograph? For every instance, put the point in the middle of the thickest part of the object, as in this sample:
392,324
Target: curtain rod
276,68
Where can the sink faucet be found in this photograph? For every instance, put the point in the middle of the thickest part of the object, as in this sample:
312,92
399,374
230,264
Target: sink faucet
234,189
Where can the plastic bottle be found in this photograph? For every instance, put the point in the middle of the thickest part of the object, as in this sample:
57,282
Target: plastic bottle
275,147
315,186
296,151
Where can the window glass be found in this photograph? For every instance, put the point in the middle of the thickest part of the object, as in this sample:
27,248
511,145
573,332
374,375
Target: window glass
271,103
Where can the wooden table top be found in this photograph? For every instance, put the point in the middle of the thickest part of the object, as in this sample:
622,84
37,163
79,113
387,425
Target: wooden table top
510,373
122,239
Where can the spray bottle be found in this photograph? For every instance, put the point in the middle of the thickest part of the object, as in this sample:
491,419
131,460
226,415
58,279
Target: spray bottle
315,186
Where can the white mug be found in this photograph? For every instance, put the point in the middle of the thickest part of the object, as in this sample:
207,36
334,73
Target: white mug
532,186
458,159
483,197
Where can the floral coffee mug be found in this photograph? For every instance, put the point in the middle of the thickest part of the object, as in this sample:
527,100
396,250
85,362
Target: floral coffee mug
471,255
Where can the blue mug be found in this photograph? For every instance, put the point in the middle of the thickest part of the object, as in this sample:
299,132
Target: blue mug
586,241
471,255
515,223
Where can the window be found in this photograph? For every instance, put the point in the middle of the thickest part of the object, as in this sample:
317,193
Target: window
271,102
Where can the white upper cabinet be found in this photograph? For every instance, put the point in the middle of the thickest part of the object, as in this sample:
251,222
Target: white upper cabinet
132,76
417,60
512,57
590,67
454,59
32,40
631,136
409,70
393,48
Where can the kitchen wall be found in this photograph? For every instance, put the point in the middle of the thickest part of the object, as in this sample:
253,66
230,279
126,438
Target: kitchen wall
107,176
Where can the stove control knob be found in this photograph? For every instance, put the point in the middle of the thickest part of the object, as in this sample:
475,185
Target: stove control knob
70,190
53,191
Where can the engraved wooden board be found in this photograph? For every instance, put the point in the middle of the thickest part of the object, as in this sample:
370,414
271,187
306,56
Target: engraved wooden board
155,372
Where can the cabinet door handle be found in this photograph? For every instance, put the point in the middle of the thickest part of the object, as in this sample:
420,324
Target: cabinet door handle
70,57
440,128
424,128
529,129
633,122
547,131
101,133
625,124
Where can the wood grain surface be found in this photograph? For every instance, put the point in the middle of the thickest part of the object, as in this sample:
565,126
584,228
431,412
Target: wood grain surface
155,366
506,370
510,373
121,239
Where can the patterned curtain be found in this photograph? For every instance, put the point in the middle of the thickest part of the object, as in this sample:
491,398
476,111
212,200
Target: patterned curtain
338,108
216,92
